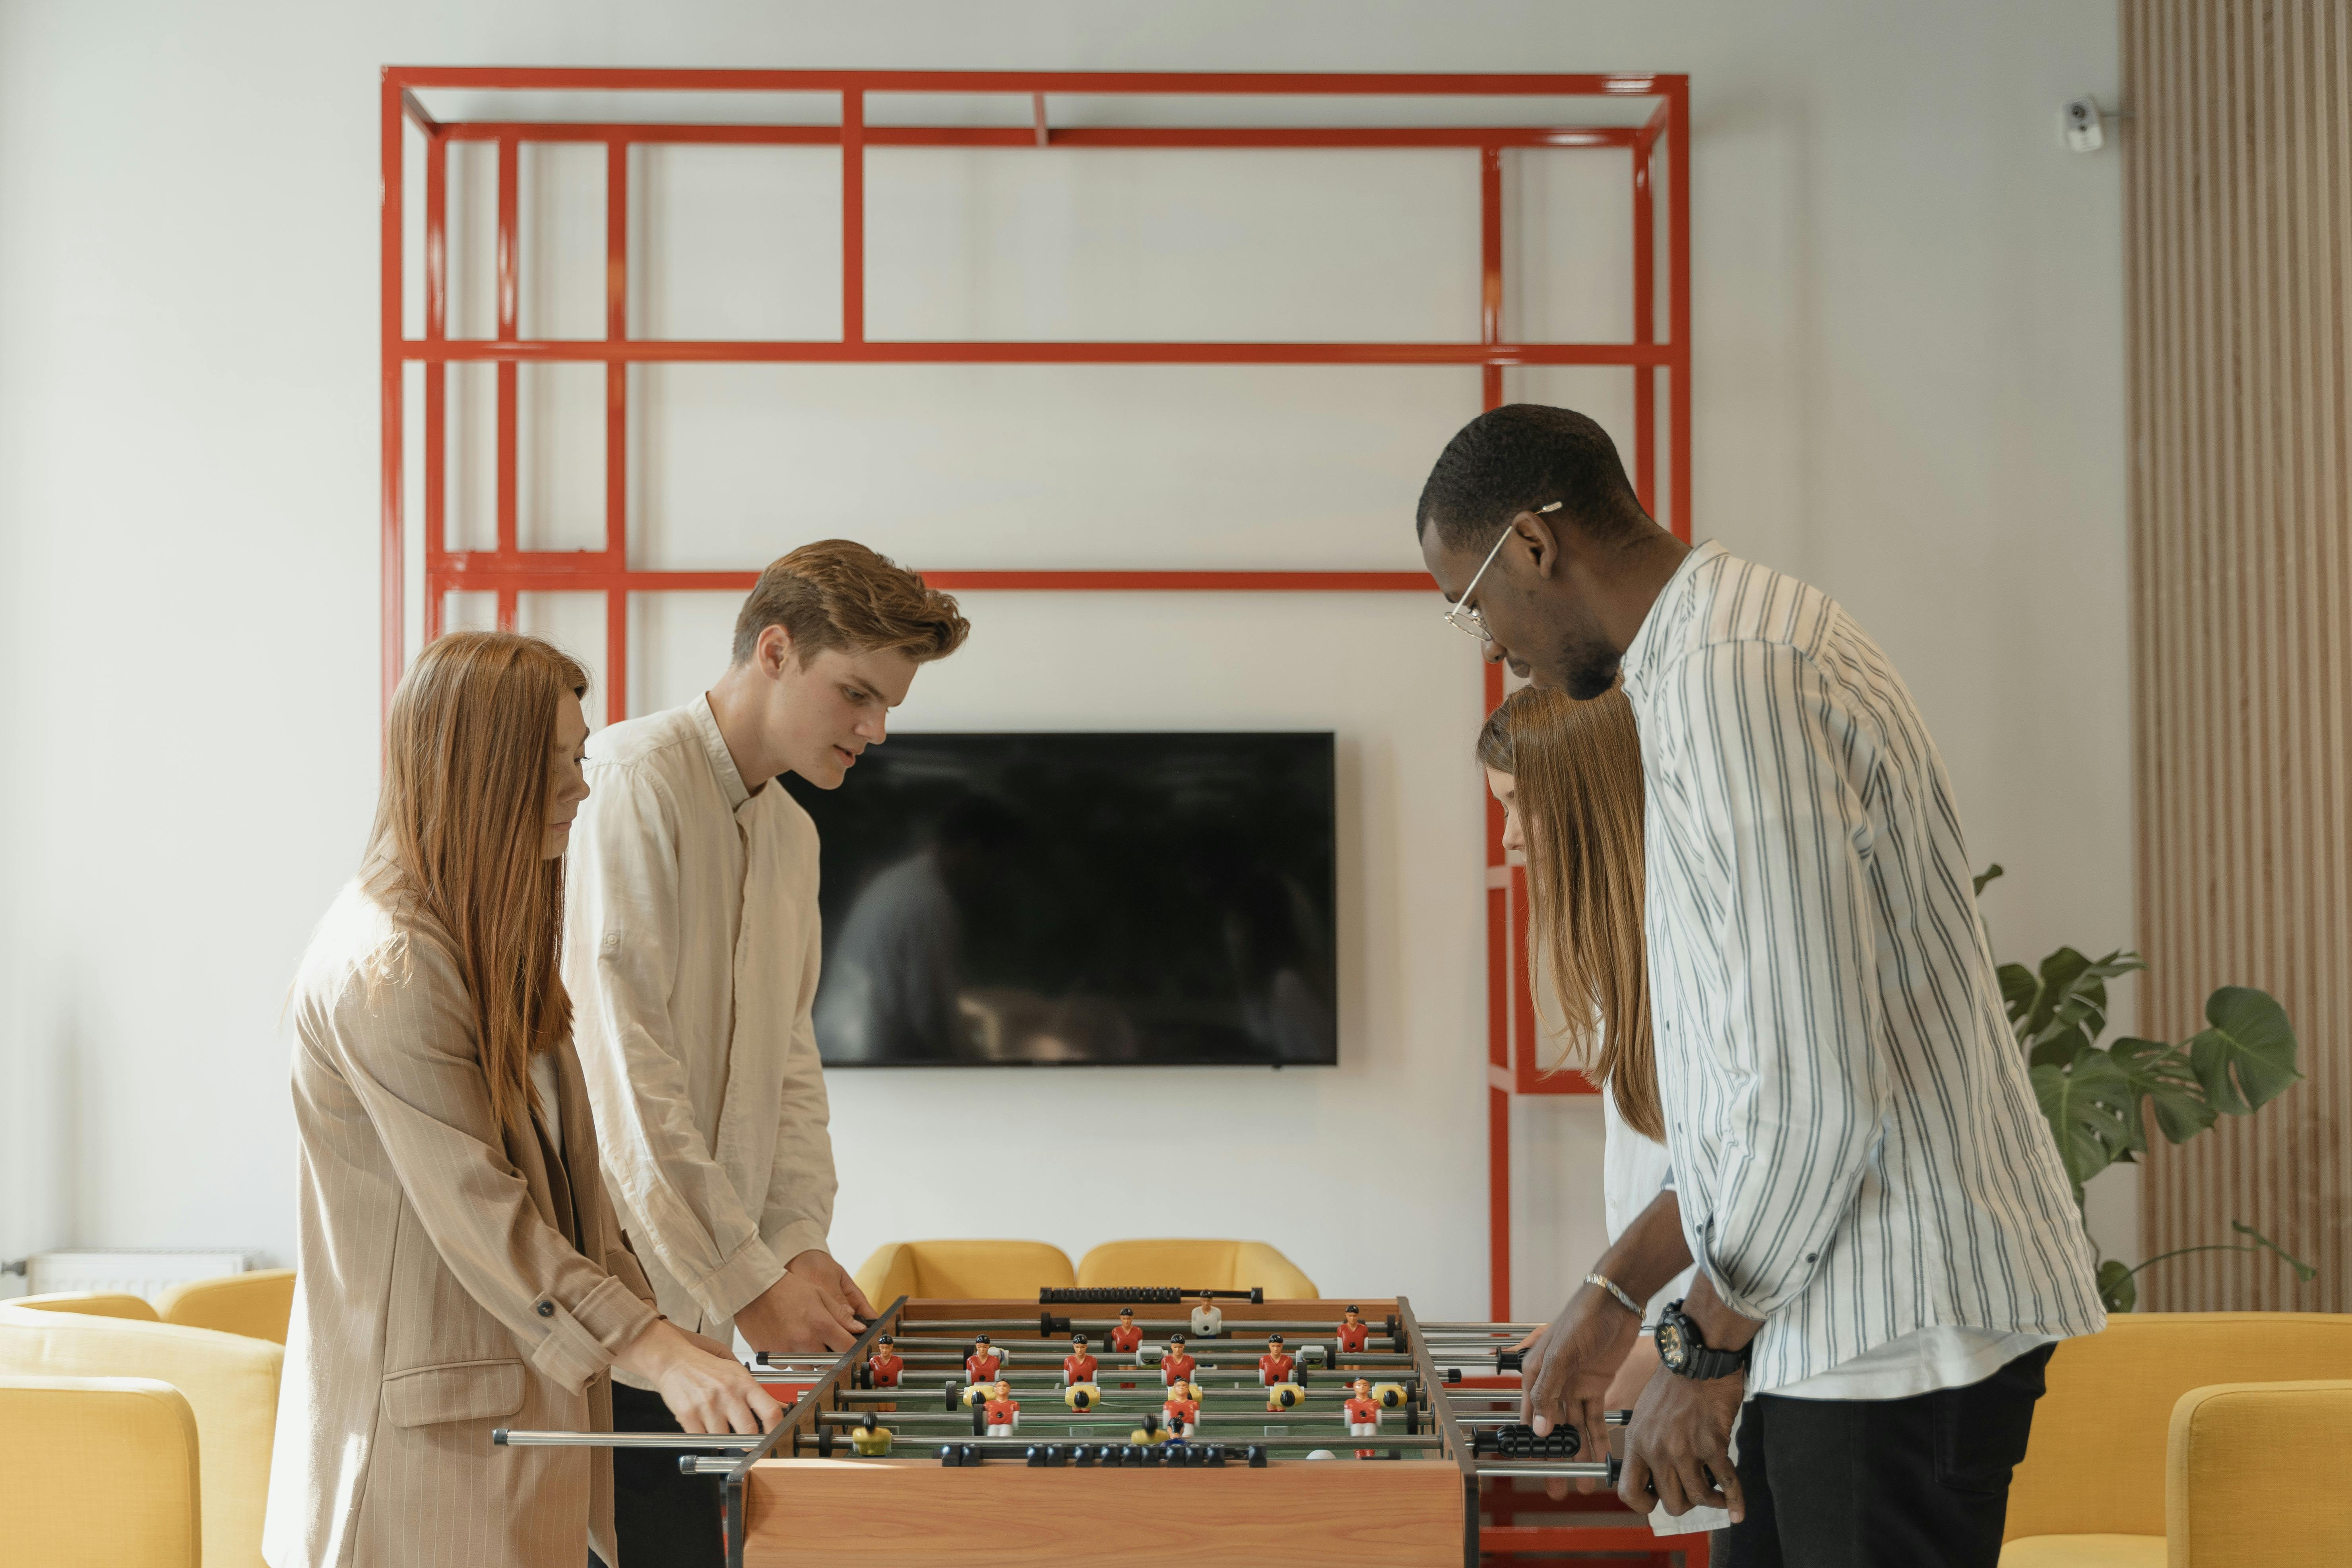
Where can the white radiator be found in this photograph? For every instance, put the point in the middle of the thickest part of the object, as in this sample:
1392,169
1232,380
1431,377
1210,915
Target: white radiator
132,1273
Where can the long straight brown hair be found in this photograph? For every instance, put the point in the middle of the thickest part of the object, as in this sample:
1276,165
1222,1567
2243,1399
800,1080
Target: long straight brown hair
1577,770
460,828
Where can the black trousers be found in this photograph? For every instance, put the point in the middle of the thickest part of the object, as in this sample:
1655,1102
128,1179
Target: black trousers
661,1519
1882,1483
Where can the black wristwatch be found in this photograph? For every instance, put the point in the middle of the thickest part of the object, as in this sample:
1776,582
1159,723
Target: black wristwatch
1683,1351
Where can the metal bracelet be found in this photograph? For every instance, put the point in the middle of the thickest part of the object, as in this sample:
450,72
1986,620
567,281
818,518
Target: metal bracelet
1615,1289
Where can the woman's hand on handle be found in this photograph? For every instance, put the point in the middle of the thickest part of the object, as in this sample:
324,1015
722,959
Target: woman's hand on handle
707,1392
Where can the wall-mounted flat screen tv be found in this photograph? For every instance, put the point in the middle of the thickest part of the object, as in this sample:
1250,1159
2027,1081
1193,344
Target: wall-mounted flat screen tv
1035,899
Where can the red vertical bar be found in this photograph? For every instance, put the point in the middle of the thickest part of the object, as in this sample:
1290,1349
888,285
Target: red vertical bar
506,609
1678,306
1523,1005
1645,377
436,381
852,216
1498,1205
616,432
1490,267
394,545
1498,977
510,179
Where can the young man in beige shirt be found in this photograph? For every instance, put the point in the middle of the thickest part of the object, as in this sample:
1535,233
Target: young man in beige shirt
690,951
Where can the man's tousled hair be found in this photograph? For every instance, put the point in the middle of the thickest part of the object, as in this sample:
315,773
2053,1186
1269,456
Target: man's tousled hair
1522,457
838,593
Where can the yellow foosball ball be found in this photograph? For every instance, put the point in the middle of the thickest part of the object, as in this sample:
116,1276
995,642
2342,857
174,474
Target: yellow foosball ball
1291,1436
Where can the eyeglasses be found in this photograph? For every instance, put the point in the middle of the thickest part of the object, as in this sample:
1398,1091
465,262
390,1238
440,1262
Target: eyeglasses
1459,615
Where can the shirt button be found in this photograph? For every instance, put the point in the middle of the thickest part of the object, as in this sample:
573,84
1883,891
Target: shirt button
547,1309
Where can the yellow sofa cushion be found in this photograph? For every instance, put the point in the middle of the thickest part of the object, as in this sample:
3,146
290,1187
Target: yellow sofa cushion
963,1270
230,1382
259,1304
2084,1551
2256,1475
100,1469
2096,1463
1194,1263
90,1303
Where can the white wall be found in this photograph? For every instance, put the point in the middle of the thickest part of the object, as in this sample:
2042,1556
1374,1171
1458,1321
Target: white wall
1909,386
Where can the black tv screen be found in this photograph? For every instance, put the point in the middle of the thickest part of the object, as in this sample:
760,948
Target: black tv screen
1035,899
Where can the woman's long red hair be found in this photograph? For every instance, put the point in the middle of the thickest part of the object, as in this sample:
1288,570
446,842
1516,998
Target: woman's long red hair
459,834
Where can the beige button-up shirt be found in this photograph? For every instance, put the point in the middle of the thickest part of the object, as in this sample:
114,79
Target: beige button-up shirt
691,951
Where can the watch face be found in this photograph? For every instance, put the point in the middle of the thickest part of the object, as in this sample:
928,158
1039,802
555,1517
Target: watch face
1672,1351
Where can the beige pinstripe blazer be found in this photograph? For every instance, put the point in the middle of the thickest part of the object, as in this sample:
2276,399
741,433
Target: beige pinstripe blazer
452,1279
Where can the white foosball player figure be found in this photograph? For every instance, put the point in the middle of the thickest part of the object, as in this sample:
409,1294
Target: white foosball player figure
1208,1320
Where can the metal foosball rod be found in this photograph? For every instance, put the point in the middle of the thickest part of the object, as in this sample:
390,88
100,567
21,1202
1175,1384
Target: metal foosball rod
504,1437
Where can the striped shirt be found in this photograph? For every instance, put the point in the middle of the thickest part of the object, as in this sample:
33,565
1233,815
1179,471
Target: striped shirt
1856,1146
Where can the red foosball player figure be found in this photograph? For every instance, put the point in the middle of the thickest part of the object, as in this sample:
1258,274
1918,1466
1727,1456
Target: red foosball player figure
1353,1332
1003,1412
884,1364
1182,1409
1275,1365
1126,1338
1078,1366
1363,1415
982,1363
1176,1366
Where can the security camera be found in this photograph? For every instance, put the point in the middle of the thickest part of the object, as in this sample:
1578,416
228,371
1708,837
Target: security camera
2080,123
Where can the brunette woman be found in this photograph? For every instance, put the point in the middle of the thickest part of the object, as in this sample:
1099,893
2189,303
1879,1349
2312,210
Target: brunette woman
458,1269
1568,777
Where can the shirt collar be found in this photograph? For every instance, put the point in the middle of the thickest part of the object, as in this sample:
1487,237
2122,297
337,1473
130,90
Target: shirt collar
714,746
1669,612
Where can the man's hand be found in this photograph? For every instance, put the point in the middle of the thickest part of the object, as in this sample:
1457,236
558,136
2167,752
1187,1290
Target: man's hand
707,1392
820,1270
1565,1377
1679,1446
797,1314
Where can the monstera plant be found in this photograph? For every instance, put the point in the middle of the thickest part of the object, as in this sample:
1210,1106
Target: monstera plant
2098,1099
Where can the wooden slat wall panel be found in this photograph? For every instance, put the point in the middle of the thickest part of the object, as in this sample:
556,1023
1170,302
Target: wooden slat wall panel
2239,237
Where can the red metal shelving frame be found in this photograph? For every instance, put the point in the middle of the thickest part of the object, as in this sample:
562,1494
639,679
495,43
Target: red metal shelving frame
508,571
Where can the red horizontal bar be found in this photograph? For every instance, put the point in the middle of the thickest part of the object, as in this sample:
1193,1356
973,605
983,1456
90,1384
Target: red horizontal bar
1284,84
682,351
472,571
1573,1538
1154,136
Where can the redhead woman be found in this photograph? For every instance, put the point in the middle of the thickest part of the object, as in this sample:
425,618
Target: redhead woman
1568,777
458,1269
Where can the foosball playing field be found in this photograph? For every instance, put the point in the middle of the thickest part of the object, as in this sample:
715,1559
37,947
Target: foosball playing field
1125,1427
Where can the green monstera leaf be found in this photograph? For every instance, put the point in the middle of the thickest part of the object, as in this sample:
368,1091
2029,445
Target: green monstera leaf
2118,1291
2162,1081
2086,1107
2247,1059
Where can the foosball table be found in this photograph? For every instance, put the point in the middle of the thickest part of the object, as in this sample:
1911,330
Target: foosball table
1130,1425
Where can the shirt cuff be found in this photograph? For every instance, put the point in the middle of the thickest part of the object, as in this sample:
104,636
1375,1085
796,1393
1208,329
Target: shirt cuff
739,1281
792,1241
583,1340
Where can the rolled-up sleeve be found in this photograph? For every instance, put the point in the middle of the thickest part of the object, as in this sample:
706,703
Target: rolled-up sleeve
404,1042
621,965
1779,770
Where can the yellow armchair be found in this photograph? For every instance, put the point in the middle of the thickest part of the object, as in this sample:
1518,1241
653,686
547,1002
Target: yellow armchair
100,1469
2255,1476
230,1382
90,1303
2092,1490
1196,1265
963,1270
259,1304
